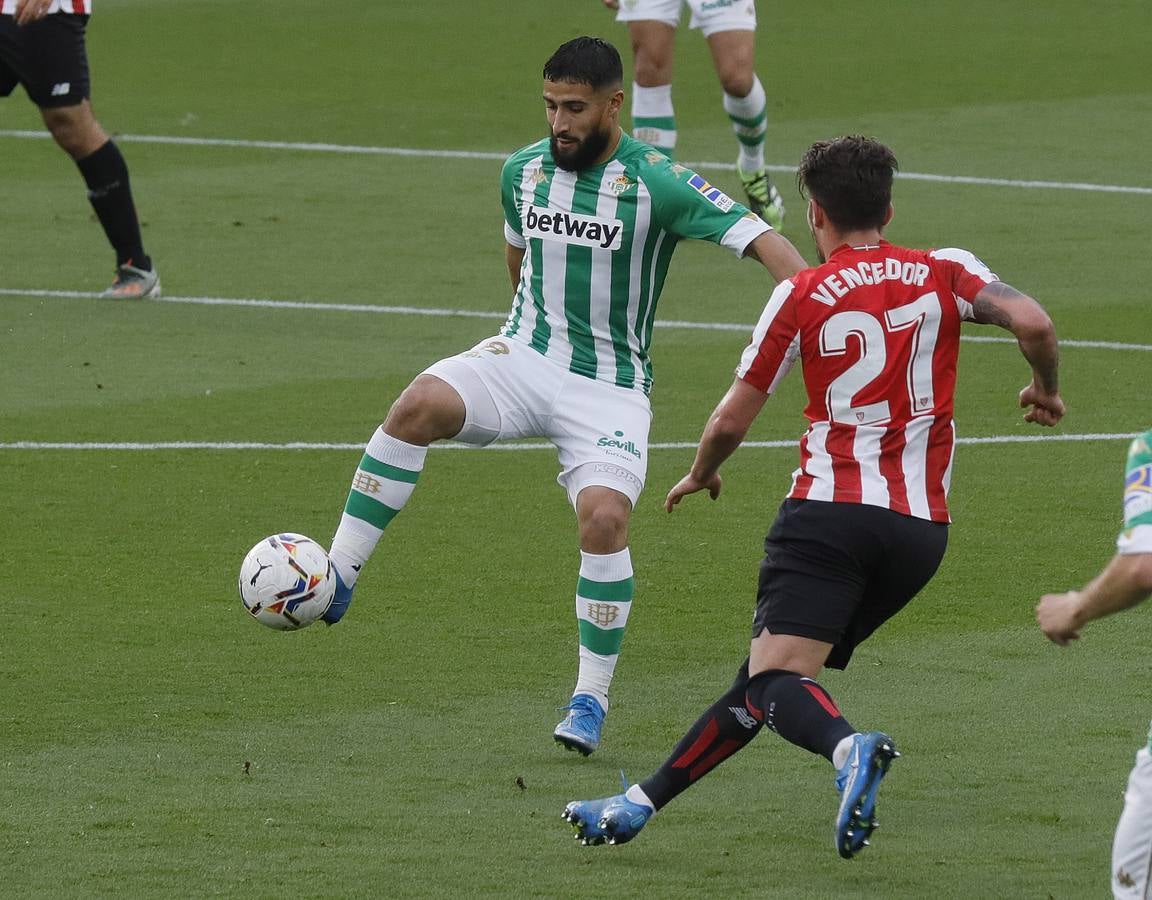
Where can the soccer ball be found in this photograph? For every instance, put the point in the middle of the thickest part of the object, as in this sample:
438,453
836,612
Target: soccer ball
287,582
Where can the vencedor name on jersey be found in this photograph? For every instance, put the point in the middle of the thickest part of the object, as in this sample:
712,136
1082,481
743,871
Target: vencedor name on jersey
572,228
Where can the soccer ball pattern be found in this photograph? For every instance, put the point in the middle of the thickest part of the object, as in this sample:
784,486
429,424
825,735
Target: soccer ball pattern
287,581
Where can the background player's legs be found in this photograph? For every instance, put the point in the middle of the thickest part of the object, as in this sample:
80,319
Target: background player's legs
734,56
429,409
1132,845
105,172
603,601
653,118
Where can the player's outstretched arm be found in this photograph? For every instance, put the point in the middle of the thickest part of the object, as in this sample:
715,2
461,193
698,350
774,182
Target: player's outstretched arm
1125,582
1001,304
726,427
777,254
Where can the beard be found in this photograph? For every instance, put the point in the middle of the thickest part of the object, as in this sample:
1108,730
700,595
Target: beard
584,154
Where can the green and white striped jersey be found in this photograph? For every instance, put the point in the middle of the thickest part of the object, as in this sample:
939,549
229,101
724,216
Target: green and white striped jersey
598,244
1137,534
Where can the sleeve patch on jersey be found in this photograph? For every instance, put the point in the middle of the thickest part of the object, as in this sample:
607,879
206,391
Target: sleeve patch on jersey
1139,479
1138,494
716,196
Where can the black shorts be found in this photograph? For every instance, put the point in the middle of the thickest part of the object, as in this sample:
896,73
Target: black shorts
835,572
48,57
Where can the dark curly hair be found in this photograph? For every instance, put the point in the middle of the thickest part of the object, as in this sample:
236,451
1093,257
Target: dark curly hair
851,178
586,60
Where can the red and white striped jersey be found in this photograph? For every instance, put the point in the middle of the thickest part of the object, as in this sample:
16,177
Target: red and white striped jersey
8,7
877,330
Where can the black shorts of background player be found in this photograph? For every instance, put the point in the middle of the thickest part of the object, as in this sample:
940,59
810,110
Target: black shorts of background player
42,47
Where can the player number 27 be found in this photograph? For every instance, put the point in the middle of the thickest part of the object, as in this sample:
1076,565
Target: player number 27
922,315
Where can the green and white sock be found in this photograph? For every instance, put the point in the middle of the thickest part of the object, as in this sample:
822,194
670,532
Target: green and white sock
383,483
749,117
603,601
653,120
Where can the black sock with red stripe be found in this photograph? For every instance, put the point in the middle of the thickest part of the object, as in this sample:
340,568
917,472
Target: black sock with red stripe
106,174
724,729
799,710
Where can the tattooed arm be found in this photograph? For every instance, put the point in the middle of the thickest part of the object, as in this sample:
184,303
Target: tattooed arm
1003,305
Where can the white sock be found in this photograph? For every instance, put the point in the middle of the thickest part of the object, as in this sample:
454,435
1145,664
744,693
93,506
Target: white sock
749,116
603,603
653,120
383,483
636,795
840,754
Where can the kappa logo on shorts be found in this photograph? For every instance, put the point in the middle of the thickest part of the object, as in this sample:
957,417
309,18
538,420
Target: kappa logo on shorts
61,89
617,471
496,348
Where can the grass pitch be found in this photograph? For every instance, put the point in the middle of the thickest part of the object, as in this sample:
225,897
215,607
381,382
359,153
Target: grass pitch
153,742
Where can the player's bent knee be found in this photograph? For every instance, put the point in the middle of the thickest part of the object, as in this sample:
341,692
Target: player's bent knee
428,410
603,514
737,84
74,129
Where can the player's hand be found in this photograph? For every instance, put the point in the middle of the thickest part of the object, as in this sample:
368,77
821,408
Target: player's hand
1059,617
612,4
689,485
1043,408
28,11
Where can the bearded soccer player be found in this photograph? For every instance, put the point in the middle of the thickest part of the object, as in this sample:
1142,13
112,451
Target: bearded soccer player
1124,582
42,47
863,529
591,218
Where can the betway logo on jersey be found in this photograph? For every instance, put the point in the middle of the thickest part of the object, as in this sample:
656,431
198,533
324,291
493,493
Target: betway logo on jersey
573,228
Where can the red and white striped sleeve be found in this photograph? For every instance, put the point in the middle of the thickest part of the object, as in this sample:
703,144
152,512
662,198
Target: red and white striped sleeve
965,274
775,344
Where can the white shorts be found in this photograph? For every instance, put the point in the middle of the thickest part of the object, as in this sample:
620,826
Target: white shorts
511,391
1132,845
710,16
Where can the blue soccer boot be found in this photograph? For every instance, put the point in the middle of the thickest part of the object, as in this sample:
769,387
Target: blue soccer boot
858,780
580,730
340,600
612,820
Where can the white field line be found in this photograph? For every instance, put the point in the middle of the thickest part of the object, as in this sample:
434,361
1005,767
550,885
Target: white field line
667,445
362,150
482,314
